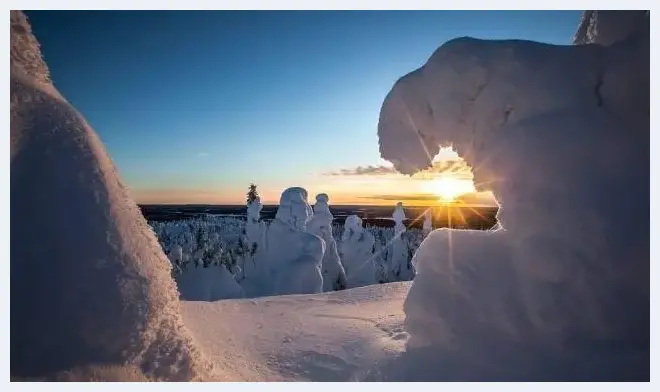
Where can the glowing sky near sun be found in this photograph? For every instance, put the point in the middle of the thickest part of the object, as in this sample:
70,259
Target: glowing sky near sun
193,106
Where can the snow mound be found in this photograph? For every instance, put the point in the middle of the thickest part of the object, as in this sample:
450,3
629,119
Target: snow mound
562,291
95,288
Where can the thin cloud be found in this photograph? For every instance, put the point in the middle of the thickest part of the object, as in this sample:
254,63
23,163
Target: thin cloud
202,154
363,171
456,167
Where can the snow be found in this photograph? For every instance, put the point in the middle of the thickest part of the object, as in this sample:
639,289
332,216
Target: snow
338,336
609,27
212,283
334,276
255,230
357,255
428,221
561,291
399,267
293,256
97,289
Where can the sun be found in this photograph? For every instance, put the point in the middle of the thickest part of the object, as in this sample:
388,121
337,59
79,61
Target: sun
448,188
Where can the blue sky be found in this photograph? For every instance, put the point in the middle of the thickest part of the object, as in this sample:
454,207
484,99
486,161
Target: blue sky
195,105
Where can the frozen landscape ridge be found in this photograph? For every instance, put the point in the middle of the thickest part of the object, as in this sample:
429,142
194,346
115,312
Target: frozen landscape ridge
561,292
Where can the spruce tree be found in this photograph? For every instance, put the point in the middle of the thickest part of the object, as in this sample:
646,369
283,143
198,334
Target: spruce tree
252,194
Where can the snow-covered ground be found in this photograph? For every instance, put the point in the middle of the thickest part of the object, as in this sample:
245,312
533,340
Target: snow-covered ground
562,293
338,336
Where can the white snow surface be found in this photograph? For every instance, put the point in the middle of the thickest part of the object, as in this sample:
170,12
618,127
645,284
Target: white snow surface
340,336
334,276
562,291
93,286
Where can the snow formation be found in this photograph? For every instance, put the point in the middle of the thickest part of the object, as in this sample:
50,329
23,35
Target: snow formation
556,132
399,267
428,221
293,255
255,231
96,288
334,276
357,246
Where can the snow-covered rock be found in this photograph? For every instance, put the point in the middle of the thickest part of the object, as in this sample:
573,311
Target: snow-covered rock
334,276
294,256
562,291
95,288
399,266
357,247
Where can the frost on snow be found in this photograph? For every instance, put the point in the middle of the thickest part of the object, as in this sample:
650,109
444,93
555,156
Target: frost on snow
334,276
562,291
96,288
294,256
357,247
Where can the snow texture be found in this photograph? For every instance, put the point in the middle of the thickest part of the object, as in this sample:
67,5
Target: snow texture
357,246
96,287
560,135
338,336
334,276
294,256
609,27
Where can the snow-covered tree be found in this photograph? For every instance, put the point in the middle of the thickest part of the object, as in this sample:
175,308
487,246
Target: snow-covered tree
293,256
97,287
400,267
334,276
356,250
252,194
428,221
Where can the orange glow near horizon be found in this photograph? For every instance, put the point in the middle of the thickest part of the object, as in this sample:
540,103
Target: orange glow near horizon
449,181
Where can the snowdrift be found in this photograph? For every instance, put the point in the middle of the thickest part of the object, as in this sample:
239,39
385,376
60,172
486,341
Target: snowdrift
91,286
562,291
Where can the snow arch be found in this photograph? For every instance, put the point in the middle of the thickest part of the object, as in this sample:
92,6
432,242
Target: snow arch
555,132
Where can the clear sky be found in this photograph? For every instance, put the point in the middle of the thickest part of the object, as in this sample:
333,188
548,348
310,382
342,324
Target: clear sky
193,106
